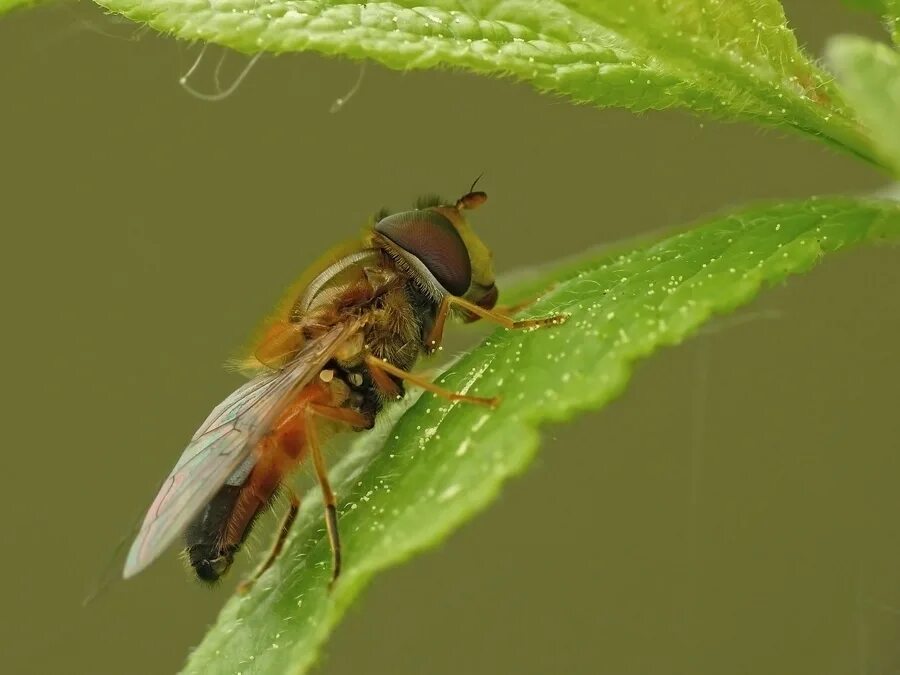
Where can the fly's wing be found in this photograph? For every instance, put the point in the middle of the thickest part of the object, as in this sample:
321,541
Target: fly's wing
222,444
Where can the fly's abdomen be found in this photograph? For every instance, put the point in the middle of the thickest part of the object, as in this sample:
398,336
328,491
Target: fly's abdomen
207,548
219,531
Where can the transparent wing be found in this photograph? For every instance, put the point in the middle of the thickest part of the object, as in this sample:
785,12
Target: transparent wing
222,444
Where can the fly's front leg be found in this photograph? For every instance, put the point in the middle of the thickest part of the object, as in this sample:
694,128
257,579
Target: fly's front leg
436,334
509,310
497,315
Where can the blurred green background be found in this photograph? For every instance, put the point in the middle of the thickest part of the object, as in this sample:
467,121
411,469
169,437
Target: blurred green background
734,512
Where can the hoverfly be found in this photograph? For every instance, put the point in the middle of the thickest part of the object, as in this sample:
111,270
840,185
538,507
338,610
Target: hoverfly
340,346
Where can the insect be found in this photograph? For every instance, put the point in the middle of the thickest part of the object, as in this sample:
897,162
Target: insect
339,348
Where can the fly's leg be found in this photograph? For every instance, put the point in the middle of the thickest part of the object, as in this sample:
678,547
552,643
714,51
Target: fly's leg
305,412
277,545
385,384
436,335
345,416
509,310
282,440
380,367
502,319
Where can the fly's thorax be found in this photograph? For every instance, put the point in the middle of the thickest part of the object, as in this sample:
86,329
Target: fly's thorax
354,388
339,386
395,329
351,351
350,274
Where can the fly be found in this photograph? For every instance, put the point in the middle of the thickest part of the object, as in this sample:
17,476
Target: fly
341,346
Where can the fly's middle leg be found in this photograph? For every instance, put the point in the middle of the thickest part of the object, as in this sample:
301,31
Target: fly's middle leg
379,367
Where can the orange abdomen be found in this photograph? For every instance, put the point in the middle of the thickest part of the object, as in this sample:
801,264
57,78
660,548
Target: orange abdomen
220,529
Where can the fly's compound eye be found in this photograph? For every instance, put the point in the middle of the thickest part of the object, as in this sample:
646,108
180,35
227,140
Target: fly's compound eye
429,243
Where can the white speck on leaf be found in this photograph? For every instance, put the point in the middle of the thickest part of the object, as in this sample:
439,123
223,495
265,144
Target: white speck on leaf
450,492
463,447
480,422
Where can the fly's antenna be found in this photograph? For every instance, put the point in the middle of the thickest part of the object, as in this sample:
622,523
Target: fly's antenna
341,101
472,199
221,94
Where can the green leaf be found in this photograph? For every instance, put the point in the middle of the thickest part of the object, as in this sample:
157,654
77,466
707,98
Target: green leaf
890,9
742,50
733,60
869,74
9,5
405,488
892,18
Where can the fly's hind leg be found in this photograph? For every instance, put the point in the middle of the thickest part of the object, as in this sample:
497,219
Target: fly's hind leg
345,416
306,413
286,522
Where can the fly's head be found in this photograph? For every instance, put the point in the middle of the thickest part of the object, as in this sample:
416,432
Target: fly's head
440,250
